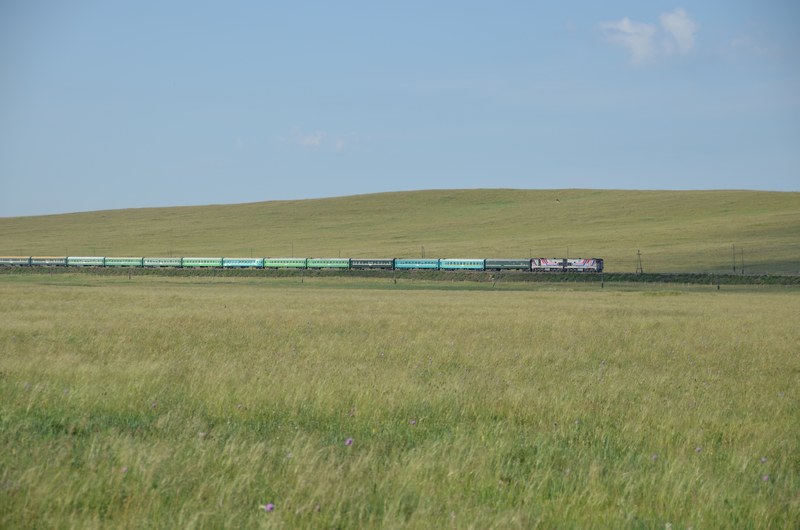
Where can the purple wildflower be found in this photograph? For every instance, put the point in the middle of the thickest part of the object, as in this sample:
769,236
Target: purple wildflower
349,441
267,507
765,478
413,422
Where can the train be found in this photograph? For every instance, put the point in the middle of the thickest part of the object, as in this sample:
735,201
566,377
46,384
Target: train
562,265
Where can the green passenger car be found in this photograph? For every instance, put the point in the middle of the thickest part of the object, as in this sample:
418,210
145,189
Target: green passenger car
124,262
452,264
16,261
49,261
328,263
85,261
202,262
162,262
284,263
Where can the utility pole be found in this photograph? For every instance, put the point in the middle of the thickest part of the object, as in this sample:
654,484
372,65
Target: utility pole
639,269
742,264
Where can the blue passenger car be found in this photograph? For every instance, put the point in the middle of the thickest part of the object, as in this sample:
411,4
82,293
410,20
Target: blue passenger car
416,264
243,263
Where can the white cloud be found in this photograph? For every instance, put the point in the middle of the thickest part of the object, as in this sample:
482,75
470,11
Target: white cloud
637,37
318,140
676,33
314,139
681,29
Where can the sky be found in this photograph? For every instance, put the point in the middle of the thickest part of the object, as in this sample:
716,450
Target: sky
127,104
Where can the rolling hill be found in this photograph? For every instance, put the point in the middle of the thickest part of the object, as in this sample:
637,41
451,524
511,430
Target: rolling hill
676,231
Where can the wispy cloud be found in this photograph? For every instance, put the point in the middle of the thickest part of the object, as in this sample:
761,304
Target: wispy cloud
318,140
675,33
747,45
637,37
680,30
314,139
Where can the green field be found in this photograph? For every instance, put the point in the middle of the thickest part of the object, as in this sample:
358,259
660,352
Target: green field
391,400
681,231
162,402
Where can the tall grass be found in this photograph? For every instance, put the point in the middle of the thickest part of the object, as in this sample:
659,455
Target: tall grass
170,402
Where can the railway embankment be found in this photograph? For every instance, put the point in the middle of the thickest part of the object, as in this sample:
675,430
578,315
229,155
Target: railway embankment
692,278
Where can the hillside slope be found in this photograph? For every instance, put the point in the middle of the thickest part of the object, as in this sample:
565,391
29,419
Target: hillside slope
675,231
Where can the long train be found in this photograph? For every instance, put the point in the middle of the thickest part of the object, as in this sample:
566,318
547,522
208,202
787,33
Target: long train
444,264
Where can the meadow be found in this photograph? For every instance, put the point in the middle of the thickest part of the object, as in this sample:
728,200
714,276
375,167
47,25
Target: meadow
676,231
169,402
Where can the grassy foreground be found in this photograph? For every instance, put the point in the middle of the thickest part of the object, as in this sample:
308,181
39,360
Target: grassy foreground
676,231
179,402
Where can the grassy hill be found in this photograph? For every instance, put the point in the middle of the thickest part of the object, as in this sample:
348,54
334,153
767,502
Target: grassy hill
675,230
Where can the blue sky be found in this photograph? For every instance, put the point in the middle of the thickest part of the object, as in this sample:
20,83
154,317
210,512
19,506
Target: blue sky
109,105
